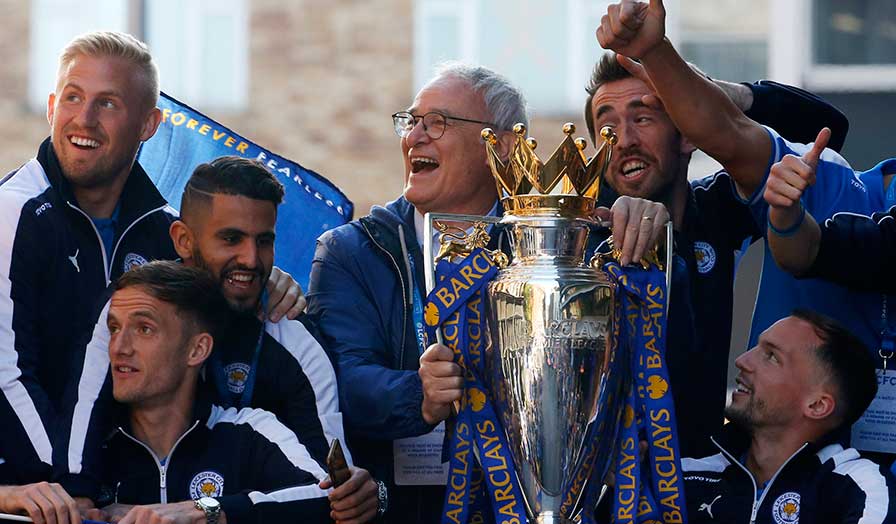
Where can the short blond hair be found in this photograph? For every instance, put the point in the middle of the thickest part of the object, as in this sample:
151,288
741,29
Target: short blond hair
118,45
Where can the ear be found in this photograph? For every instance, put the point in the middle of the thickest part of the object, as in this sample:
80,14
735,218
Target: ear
51,108
200,349
151,124
820,407
183,239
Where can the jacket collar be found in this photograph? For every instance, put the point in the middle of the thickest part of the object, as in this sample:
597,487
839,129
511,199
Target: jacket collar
138,197
735,441
202,408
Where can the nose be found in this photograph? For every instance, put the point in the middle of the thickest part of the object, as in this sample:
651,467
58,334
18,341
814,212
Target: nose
120,343
417,134
247,256
744,362
87,116
627,135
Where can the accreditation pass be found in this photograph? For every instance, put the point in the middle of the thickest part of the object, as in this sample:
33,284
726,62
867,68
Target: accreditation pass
876,430
418,460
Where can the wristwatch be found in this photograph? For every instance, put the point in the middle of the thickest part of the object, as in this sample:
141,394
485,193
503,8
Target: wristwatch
211,507
382,498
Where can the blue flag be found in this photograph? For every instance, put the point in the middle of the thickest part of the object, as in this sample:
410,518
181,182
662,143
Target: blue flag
312,204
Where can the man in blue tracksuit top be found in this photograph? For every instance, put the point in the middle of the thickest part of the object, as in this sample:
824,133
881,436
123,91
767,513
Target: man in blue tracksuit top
779,460
711,224
174,454
71,221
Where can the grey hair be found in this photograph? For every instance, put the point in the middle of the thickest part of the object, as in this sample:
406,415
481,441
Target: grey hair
118,45
503,100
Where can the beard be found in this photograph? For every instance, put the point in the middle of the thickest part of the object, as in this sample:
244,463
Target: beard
240,307
740,417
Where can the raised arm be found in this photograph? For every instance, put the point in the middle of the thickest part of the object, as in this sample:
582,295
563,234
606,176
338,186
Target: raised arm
793,234
795,113
699,108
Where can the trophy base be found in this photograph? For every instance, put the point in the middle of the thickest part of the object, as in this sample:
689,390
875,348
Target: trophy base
549,517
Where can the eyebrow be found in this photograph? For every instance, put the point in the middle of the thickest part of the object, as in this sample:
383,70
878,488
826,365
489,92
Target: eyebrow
114,93
239,232
634,104
771,345
111,317
441,110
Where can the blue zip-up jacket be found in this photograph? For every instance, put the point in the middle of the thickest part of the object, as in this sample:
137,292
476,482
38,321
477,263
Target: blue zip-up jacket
820,483
249,461
361,291
54,270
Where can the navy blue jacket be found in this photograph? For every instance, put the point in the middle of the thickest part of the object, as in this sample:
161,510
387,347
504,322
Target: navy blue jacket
821,483
54,270
846,235
246,459
360,289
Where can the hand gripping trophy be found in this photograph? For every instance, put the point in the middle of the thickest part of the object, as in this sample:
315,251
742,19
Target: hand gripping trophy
551,386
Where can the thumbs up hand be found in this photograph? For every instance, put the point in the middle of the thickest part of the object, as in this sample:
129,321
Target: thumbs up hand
788,180
632,28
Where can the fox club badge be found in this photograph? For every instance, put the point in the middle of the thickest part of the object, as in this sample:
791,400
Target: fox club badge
786,509
236,374
132,260
206,484
705,256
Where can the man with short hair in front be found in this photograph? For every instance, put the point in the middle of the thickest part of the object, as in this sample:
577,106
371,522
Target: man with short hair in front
175,455
798,392
714,216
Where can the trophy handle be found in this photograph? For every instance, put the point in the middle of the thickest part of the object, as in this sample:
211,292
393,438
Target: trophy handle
651,258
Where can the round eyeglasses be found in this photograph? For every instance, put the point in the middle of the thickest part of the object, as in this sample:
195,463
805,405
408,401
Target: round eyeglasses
434,123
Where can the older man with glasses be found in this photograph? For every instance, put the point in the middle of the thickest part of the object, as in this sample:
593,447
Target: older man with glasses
367,286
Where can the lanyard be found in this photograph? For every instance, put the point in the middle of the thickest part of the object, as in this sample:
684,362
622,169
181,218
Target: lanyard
887,332
419,327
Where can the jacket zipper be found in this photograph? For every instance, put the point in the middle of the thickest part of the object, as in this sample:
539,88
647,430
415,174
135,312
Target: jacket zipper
106,260
404,295
757,503
163,470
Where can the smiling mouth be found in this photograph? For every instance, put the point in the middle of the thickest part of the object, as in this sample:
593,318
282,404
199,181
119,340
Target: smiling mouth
240,279
420,164
84,143
742,387
124,370
633,168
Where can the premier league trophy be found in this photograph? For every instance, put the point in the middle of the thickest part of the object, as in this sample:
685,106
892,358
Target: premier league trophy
552,369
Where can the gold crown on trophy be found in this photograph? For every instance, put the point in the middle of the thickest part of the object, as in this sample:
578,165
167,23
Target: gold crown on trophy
567,184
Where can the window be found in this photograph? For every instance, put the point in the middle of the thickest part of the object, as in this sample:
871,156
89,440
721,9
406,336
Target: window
546,48
53,24
201,46
836,45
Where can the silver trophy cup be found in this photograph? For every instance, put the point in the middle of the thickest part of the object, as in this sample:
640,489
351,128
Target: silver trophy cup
555,374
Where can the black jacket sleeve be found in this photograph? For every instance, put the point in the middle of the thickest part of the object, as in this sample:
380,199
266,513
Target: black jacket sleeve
846,238
796,114
26,411
280,488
